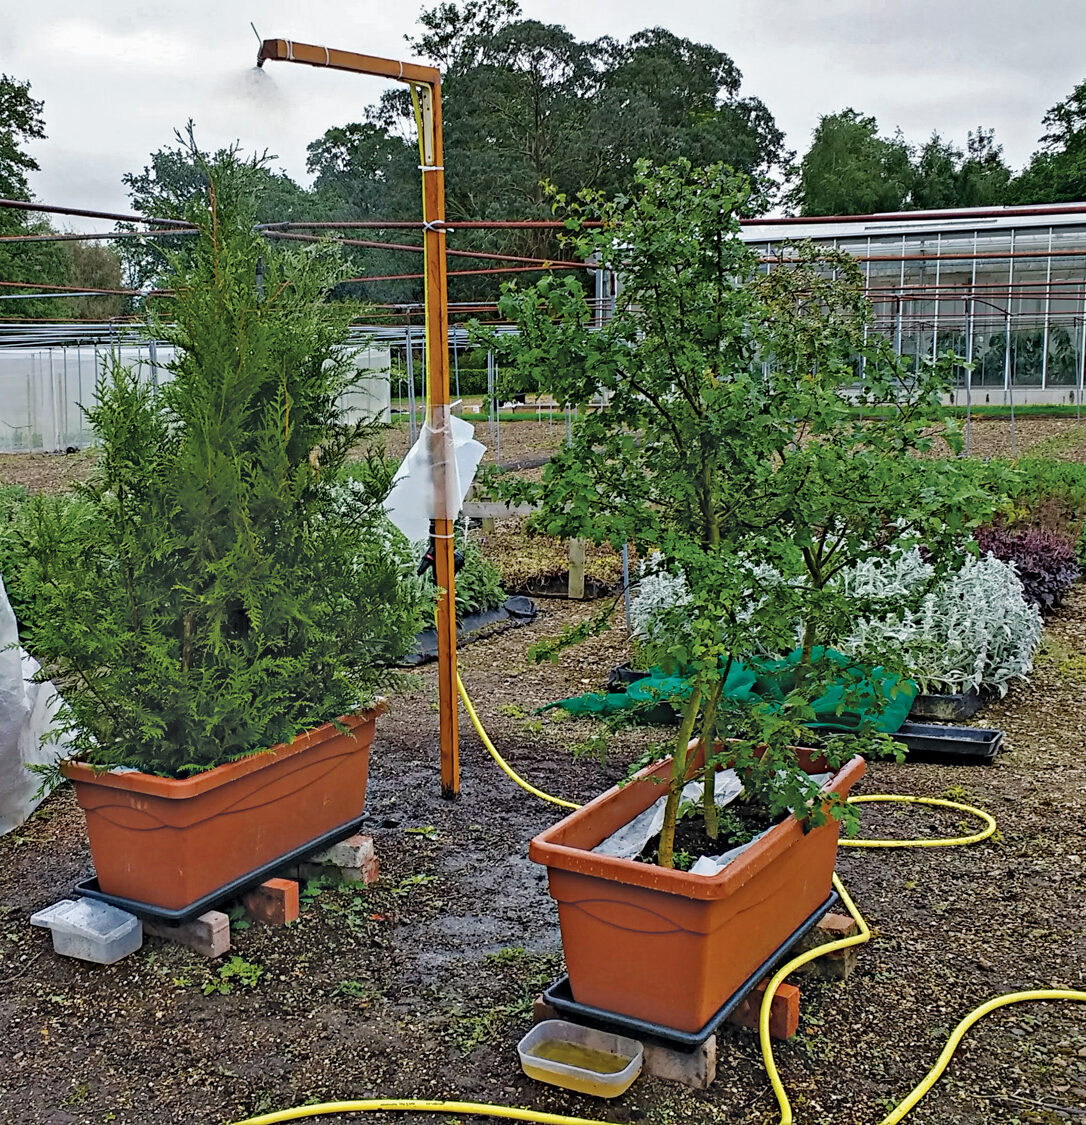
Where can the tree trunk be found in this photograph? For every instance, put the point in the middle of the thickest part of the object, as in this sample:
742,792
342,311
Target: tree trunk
666,857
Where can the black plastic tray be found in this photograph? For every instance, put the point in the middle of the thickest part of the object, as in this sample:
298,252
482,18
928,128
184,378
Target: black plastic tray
89,888
948,708
939,742
560,997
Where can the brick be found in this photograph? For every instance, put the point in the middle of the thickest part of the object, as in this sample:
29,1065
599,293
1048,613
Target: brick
274,902
839,964
355,851
783,1012
695,1069
541,1010
209,934
352,861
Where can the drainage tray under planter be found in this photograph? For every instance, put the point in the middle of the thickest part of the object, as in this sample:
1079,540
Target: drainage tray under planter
560,997
89,888
948,708
932,742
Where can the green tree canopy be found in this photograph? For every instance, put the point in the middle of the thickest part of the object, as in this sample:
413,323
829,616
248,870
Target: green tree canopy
850,170
1056,173
21,121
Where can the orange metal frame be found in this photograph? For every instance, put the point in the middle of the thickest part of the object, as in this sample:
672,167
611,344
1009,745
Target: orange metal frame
437,334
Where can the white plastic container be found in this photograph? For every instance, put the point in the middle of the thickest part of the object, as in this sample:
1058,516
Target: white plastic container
580,1058
91,930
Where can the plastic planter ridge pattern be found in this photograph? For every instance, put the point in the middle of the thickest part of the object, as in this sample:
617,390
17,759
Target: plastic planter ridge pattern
666,946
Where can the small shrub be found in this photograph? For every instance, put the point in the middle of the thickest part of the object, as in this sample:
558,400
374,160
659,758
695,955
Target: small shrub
969,630
1045,561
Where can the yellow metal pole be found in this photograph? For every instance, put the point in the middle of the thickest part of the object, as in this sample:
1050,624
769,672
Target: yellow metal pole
428,79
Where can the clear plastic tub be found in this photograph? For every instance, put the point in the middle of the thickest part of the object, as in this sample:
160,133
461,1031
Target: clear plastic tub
580,1058
90,930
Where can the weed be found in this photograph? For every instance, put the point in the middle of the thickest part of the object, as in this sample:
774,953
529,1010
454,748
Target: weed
512,711
357,990
345,902
239,920
427,830
78,1096
237,972
509,955
405,885
959,793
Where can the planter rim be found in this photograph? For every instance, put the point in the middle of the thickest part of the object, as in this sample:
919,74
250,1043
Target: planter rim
181,788
546,849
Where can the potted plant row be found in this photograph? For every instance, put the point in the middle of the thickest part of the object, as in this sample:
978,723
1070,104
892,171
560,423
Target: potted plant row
733,456
222,647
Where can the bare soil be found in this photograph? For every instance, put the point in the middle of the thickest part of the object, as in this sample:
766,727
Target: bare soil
421,985
530,439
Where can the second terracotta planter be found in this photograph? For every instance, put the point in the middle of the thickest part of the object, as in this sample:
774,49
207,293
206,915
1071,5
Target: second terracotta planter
170,842
666,946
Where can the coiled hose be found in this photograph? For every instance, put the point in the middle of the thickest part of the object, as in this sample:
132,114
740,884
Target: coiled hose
863,935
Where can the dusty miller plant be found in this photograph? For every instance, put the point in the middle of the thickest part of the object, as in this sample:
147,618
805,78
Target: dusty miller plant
729,444
232,594
970,629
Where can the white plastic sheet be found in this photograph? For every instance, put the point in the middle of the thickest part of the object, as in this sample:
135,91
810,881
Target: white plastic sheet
435,476
27,715
630,840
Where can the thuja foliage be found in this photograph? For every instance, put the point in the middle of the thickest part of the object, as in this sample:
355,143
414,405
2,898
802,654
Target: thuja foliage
233,595
730,445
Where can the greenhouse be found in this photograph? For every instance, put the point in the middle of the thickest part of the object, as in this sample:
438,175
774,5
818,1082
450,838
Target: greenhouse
1005,288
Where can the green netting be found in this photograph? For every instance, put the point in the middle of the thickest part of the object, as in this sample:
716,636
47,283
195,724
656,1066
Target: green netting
859,694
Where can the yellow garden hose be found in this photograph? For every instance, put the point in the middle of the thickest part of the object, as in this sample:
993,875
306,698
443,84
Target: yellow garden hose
503,765
416,1105
939,842
863,934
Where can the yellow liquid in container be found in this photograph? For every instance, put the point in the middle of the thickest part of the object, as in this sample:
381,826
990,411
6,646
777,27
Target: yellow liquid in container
579,1058
574,1054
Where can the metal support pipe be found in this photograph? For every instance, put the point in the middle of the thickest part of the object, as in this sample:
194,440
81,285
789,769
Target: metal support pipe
425,81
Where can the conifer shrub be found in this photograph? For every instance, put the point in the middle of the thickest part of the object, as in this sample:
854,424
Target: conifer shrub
233,594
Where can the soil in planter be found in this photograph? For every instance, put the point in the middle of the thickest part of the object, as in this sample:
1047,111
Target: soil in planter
739,824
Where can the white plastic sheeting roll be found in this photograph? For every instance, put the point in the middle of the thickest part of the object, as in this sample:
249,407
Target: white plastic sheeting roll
27,717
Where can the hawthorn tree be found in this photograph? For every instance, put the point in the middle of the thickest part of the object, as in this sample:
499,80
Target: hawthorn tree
730,449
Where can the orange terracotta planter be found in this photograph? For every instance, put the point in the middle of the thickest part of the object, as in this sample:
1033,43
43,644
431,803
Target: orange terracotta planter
168,842
670,947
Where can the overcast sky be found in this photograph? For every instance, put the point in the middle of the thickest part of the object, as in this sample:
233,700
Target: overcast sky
118,76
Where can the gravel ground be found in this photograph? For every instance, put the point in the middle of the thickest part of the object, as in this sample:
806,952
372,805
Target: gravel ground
528,439
421,985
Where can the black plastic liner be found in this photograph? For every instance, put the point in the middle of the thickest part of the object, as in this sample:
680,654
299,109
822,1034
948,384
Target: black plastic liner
560,997
515,611
941,743
89,888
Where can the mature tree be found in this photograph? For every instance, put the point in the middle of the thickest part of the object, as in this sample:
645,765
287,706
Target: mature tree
850,170
935,180
91,266
664,98
1056,173
21,121
528,106
984,176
